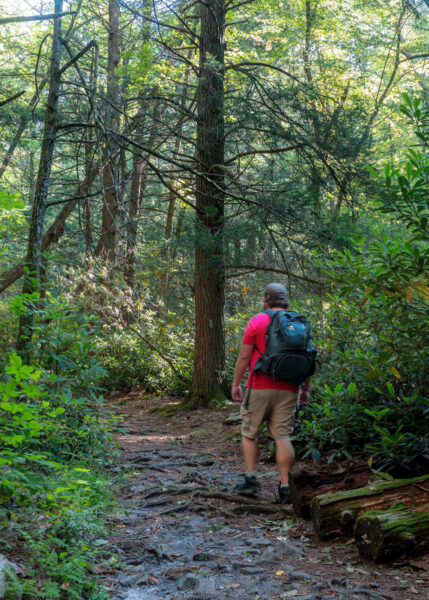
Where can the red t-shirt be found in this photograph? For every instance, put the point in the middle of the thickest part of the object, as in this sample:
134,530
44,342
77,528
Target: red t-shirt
255,335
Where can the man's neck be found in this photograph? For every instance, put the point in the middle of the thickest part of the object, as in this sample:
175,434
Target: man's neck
272,307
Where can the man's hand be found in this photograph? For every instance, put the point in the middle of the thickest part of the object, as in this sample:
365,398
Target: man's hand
303,397
236,393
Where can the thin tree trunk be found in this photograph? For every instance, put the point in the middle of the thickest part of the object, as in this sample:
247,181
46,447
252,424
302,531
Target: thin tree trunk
34,248
209,356
168,232
138,184
111,192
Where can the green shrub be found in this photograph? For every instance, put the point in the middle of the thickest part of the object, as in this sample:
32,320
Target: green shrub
370,391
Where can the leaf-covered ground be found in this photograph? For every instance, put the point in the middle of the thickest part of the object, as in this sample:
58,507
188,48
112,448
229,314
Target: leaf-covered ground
180,533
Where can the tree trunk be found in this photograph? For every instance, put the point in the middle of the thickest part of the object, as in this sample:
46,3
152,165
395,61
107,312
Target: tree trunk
166,254
138,184
385,534
335,514
111,191
34,247
308,482
209,279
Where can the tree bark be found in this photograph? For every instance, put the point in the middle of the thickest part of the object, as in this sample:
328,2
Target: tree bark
307,482
111,191
34,247
209,280
386,534
335,514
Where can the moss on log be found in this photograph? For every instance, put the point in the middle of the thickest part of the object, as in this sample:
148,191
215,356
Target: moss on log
334,514
307,482
385,534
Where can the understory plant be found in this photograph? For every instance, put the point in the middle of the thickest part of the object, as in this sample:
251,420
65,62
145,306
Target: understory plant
55,440
371,390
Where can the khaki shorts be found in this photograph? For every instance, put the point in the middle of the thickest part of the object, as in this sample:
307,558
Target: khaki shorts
277,407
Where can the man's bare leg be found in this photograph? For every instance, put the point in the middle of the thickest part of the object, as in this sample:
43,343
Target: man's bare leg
285,456
250,453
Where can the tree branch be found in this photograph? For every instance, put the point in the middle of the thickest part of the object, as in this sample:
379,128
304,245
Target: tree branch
7,20
75,58
14,97
155,349
253,268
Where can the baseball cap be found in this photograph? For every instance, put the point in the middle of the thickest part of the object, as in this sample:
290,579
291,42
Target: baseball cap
276,291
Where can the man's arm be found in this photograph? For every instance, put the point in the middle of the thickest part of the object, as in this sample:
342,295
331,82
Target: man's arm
243,361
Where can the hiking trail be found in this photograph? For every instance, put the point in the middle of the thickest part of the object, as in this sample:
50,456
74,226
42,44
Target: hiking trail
180,533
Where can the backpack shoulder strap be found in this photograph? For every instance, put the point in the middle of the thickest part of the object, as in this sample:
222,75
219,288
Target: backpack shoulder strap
270,312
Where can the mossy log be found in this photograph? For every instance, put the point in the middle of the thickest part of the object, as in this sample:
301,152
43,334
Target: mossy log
385,534
307,482
334,514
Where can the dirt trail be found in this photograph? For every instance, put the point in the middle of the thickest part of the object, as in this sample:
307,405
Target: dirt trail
180,536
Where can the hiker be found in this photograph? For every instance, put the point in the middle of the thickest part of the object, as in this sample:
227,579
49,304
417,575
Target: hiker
265,399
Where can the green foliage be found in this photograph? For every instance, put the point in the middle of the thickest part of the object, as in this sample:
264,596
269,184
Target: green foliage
375,331
52,445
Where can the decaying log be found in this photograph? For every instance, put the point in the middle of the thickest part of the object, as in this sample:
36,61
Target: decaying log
335,513
385,534
307,482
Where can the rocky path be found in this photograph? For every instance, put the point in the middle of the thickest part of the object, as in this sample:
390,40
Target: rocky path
181,534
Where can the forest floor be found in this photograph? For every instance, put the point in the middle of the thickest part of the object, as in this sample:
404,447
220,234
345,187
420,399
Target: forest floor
180,535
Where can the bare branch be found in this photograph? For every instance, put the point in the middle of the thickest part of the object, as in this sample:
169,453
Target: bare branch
75,58
155,349
7,20
253,268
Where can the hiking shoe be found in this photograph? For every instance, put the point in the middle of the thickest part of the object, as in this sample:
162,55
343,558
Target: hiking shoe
249,487
284,495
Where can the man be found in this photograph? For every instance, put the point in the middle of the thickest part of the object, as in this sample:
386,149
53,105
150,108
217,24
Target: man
265,399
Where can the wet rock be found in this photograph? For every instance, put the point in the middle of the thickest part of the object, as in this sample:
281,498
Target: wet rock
336,582
224,568
289,548
133,580
204,557
318,586
269,559
233,419
259,542
208,587
190,582
361,589
10,588
250,569
294,574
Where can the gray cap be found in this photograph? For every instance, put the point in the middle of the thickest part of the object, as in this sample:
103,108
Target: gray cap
276,292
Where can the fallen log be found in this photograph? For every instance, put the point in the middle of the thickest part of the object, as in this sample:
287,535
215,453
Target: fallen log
385,534
309,481
334,514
